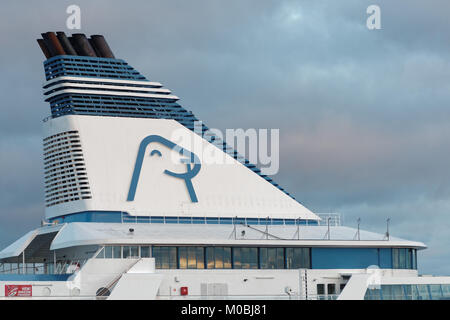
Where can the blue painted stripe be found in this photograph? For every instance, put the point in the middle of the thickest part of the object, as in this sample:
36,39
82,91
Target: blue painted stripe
34,277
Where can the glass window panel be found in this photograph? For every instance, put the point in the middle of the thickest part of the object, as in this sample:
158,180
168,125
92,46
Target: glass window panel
134,251
386,292
395,258
435,290
331,288
192,258
397,292
172,254
125,252
408,258
263,258
218,257
200,258
101,254
227,258
407,291
423,291
290,258
320,288
145,252
156,253
446,290
271,257
117,252
210,257
182,257
164,257
237,258
108,252
280,258
402,258
253,258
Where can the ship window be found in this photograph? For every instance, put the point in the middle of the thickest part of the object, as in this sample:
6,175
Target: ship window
271,258
145,252
320,289
108,252
101,254
245,258
402,258
117,252
331,288
125,252
218,257
191,258
165,257
297,258
134,251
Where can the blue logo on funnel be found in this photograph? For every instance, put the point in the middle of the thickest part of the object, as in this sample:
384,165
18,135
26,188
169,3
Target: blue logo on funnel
191,160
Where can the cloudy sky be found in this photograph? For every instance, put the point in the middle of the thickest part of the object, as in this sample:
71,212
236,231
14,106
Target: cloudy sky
363,114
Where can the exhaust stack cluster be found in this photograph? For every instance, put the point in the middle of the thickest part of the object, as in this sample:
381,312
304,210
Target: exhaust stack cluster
76,45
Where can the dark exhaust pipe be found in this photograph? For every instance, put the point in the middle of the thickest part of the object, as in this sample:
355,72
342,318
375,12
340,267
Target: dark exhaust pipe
67,46
83,47
44,48
52,43
101,46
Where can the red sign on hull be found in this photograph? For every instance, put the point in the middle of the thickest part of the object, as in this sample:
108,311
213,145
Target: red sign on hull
18,291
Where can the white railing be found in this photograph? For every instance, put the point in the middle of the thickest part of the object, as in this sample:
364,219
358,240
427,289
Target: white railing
334,218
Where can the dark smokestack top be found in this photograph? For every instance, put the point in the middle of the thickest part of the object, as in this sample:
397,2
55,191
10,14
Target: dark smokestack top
84,45
102,46
44,48
76,45
67,46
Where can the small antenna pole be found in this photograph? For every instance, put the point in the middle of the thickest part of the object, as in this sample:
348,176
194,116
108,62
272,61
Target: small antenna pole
328,222
359,235
387,227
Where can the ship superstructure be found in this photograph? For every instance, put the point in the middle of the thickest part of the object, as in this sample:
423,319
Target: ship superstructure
123,219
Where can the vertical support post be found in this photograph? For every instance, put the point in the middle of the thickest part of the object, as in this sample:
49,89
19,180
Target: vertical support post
54,261
298,229
328,221
24,270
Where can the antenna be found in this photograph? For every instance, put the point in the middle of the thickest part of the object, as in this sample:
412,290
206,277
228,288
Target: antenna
387,228
358,234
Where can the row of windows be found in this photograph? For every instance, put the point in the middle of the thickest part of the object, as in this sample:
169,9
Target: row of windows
215,220
190,257
409,292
